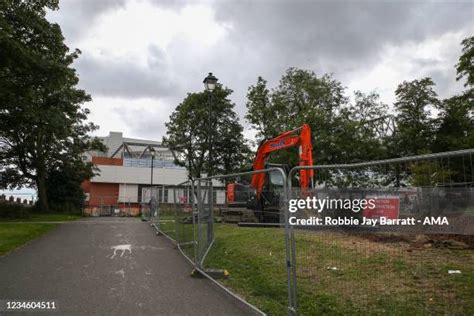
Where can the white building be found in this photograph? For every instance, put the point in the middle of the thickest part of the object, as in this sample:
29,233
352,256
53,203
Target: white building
125,175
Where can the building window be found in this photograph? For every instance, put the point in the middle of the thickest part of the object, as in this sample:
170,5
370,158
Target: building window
146,163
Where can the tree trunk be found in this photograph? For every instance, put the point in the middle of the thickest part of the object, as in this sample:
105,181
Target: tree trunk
41,185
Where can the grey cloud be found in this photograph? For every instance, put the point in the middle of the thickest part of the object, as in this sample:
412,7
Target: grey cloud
148,124
172,4
125,78
77,15
446,84
332,35
265,38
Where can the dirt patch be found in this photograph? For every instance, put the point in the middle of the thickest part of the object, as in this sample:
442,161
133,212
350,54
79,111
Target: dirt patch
448,241
387,237
468,240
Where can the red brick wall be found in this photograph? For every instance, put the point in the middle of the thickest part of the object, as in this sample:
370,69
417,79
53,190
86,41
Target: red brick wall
86,186
103,194
107,161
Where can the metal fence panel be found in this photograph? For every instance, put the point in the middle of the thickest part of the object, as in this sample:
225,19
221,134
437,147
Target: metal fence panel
264,244
340,268
376,269
184,222
200,232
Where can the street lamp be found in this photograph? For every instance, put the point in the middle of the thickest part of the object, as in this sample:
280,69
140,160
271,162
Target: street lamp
153,155
210,84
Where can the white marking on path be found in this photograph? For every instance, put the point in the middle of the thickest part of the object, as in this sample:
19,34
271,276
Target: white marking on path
149,247
121,272
121,247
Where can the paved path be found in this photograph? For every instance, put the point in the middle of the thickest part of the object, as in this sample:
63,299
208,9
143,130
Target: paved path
76,265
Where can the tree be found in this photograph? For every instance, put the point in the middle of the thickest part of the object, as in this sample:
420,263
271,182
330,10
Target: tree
415,127
188,131
456,125
259,109
456,114
369,127
64,186
42,123
302,97
465,67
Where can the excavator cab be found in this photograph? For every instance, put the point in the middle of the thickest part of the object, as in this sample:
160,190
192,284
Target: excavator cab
261,198
268,208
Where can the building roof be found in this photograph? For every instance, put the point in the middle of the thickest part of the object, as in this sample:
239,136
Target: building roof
119,146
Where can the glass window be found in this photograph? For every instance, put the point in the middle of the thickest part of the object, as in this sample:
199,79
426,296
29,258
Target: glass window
276,178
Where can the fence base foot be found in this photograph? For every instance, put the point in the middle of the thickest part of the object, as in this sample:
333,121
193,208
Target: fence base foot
157,233
214,273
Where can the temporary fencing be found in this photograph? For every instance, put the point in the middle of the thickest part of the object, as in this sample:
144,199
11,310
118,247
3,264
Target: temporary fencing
338,265
400,256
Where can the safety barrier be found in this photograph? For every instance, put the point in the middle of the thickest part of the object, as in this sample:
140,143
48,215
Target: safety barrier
415,266
340,267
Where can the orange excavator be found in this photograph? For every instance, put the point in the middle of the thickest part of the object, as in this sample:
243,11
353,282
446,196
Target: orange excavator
259,201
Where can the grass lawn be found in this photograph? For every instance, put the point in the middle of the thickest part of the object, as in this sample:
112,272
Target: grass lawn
338,273
13,235
168,226
54,217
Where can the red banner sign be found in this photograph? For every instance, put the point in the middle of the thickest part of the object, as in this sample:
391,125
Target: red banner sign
385,206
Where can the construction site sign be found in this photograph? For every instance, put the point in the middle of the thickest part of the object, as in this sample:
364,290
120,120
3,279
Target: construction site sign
387,206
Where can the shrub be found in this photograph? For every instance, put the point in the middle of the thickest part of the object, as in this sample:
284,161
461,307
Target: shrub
66,208
11,210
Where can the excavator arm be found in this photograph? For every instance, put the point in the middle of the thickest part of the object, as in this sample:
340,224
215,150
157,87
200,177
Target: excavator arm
299,137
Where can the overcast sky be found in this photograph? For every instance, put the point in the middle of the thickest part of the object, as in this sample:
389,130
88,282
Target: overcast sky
140,58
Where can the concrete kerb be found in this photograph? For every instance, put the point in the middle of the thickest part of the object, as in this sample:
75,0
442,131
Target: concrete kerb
243,303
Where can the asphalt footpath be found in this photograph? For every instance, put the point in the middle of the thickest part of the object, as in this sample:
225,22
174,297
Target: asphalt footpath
110,266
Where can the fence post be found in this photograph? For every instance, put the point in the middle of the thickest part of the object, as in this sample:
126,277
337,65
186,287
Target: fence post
210,223
290,249
195,214
199,214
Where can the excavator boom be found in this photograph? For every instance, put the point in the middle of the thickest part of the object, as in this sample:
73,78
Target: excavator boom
299,137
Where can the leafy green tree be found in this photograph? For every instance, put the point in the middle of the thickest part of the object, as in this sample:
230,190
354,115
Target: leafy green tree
415,127
63,185
465,67
456,125
259,109
429,173
301,97
456,114
188,134
42,123
455,122
368,126
368,108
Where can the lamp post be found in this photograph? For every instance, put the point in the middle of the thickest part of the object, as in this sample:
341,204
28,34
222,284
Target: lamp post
210,84
153,154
